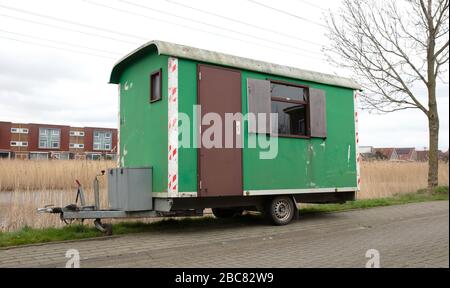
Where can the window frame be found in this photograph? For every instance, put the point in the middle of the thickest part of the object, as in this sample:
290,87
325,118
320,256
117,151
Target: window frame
151,98
49,138
18,143
75,133
102,140
293,101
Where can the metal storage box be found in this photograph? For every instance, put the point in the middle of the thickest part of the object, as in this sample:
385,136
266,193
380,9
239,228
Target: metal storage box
130,189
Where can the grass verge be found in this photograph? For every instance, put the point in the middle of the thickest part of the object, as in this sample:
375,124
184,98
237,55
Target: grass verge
440,193
28,235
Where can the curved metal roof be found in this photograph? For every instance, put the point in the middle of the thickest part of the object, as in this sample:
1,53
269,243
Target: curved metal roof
181,51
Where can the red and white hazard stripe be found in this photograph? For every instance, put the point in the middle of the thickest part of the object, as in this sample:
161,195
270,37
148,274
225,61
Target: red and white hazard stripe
358,157
172,156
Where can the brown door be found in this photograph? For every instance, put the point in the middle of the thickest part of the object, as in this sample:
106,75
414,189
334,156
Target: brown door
220,169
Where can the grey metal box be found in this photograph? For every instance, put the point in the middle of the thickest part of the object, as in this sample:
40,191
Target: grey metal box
130,189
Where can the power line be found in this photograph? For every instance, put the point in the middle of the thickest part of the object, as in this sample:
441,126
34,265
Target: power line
71,22
59,42
218,27
54,47
287,13
145,16
313,5
68,29
244,23
197,29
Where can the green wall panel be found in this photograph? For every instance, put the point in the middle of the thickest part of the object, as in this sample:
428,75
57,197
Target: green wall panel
143,125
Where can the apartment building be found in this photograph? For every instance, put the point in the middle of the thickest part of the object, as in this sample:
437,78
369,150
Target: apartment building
49,141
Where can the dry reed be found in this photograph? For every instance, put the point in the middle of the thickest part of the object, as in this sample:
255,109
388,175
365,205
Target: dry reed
48,175
385,178
28,185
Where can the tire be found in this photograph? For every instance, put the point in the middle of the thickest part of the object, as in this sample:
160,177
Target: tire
280,210
108,229
226,212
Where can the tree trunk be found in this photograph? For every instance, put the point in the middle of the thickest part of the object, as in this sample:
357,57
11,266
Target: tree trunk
433,157
433,118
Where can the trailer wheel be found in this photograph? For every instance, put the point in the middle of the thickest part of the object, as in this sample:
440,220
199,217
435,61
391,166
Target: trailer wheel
226,212
280,210
108,229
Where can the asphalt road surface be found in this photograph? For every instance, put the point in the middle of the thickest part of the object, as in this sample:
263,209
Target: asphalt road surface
413,235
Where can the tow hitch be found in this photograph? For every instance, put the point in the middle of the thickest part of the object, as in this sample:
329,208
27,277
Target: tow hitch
80,211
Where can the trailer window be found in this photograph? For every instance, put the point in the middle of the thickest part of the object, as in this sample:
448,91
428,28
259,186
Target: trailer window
155,86
290,102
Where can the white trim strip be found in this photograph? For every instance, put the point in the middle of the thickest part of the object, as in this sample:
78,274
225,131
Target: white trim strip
298,191
358,156
180,195
172,103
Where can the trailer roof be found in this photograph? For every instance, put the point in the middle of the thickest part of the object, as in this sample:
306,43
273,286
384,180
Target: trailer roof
181,51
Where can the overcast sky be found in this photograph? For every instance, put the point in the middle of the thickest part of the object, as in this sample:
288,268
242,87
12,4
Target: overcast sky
56,56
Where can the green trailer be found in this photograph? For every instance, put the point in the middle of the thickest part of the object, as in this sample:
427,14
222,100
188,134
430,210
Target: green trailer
294,135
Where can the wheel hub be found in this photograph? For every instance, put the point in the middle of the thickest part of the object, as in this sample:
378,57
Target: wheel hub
282,209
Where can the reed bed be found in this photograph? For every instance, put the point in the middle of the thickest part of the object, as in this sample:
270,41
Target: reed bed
49,175
27,185
385,178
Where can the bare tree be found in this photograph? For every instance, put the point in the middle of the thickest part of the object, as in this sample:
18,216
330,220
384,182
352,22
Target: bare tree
393,48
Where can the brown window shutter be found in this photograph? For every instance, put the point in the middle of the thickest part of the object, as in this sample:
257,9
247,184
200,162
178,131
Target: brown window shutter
318,113
258,95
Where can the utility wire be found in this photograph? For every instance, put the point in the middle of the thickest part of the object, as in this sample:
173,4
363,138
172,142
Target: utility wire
314,5
54,47
217,27
287,13
198,29
59,42
71,22
68,29
243,23
145,16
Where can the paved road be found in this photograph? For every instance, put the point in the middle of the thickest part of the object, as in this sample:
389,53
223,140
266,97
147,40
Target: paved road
413,235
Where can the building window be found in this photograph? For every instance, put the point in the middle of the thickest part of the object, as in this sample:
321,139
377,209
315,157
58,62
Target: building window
110,157
76,145
64,156
156,86
19,143
5,155
102,140
49,138
93,156
290,102
38,156
19,130
77,133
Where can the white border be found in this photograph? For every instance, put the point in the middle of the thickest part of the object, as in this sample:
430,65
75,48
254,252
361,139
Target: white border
118,161
298,191
180,195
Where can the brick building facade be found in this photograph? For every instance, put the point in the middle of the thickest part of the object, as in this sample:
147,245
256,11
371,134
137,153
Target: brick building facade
48,141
